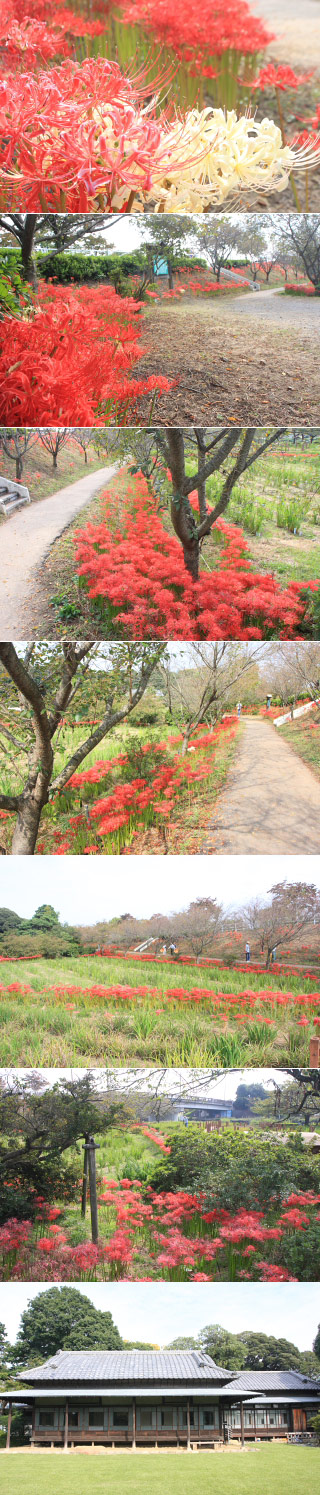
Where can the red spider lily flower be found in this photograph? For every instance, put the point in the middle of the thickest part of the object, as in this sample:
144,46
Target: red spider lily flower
282,78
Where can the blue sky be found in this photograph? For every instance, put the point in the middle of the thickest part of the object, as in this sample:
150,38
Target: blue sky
159,1312
142,885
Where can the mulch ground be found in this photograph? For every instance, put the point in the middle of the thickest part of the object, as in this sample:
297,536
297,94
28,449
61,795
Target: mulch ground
228,371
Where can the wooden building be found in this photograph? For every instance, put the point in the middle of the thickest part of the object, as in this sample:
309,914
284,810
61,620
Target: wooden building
161,1398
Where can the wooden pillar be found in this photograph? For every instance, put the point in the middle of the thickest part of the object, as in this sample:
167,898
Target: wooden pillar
242,1424
8,1439
314,1053
254,1423
92,1145
134,1423
66,1427
85,1177
188,1426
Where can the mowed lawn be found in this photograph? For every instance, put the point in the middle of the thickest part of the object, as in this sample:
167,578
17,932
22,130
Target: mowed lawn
268,1470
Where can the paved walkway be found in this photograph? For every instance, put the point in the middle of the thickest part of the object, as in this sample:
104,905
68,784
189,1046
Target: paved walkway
301,314
271,801
296,24
25,540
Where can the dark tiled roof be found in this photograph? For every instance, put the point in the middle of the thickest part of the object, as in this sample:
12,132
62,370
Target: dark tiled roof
270,1380
127,1365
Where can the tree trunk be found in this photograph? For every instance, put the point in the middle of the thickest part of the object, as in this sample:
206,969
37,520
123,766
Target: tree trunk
55,459
85,456
26,829
170,275
29,268
18,468
181,512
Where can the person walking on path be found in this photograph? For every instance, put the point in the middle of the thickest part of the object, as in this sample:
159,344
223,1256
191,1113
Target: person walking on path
248,953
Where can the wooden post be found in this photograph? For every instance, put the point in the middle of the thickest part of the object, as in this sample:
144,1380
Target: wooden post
92,1147
66,1427
134,1423
188,1426
314,1053
254,1423
242,1424
85,1177
9,1429
33,1425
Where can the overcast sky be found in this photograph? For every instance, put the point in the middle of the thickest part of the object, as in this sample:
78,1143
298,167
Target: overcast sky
108,886
159,1312
127,234
184,1082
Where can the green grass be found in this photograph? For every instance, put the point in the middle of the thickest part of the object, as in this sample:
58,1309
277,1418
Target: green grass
268,1470
305,743
38,1029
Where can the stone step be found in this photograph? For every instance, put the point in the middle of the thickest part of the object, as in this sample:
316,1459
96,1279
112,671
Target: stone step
8,505
12,496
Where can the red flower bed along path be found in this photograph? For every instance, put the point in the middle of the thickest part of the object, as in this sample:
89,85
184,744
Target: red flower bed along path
175,1236
137,575
70,361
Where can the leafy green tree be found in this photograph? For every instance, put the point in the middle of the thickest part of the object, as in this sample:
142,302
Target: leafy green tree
266,1352
38,1127
224,1347
316,1343
63,1319
45,917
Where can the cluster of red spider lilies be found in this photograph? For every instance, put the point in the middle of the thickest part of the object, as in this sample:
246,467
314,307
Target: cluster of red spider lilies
176,1236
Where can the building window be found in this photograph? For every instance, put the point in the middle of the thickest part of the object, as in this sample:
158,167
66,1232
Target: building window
209,1417
185,1417
96,1419
73,1417
120,1417
46,1417
146,1417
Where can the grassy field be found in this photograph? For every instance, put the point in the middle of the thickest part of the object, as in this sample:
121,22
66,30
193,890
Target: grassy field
277,505
264,1469
57,1022
304,737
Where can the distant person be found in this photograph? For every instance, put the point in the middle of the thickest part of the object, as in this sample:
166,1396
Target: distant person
239,707
164,950
248,953
273,954
172,949
269,699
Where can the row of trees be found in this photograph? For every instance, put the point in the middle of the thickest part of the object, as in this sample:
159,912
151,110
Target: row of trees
15,443
254,240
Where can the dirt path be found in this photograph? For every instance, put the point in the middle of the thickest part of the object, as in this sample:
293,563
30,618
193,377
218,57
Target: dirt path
252,361
270,803
24,543
296,24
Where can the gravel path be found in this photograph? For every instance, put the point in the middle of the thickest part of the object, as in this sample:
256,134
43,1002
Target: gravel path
271,801
24,542
296,24
301,313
